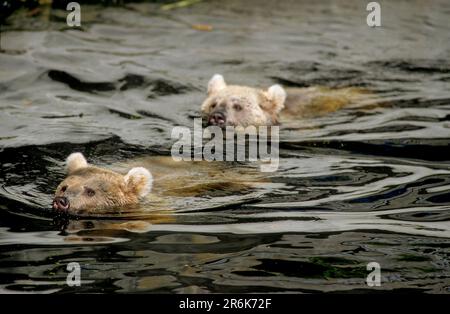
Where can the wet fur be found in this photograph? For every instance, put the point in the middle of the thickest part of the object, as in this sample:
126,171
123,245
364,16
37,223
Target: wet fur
262,107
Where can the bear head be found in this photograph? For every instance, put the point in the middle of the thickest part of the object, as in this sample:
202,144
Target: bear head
232,105
87,188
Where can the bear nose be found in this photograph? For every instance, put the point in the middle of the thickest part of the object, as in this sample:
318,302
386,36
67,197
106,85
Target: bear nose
217,118
61,203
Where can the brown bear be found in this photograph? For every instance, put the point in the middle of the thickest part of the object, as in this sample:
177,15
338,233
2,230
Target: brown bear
94,191
233,105
89,187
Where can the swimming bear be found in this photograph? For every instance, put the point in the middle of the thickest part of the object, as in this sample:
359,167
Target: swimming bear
236,105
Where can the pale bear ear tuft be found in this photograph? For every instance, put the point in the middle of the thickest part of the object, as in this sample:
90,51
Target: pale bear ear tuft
277,95
75,161
216,83
139,180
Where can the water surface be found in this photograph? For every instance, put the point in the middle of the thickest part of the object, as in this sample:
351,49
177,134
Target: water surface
367,183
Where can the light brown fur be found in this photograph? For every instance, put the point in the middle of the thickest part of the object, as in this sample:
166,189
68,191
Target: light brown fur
88,188
243,106
318,101
173,183
109,187
258,107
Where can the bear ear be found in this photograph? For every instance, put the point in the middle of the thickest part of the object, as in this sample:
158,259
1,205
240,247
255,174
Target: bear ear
75,161
277,96
139,181
216,83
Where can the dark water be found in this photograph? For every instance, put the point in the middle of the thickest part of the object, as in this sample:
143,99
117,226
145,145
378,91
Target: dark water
365,184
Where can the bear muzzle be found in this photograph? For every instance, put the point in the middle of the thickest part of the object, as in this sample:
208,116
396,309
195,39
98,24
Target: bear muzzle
61,203
217,118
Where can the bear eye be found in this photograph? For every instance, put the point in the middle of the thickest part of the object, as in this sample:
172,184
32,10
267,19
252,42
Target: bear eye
237,107
90,192
213,105
64,188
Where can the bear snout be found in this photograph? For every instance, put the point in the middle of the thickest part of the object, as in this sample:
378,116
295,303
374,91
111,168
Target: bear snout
61,203
217,118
